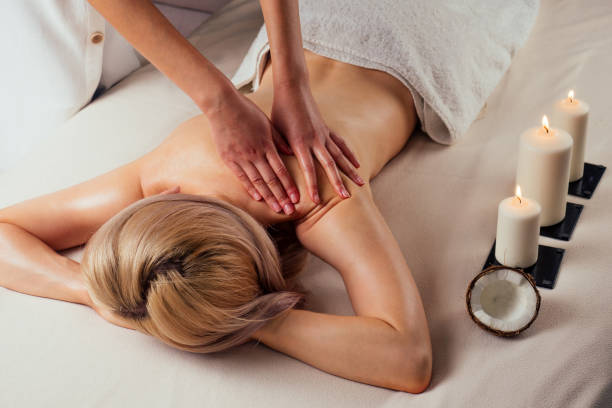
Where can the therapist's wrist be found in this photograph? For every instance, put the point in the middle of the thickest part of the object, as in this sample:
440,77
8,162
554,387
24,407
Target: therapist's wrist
216,98
294,80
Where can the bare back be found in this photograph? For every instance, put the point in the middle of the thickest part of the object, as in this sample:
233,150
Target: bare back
371,110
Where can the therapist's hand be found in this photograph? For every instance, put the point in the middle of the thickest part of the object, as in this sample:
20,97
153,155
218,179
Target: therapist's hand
246,141
296,116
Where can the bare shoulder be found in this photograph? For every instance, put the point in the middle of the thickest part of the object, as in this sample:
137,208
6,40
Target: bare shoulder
186,157
333,207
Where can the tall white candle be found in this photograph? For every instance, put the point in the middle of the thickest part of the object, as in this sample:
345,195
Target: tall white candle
571,115
518,230
543,169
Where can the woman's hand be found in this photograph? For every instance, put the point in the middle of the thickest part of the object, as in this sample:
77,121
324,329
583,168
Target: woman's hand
245,140
296,116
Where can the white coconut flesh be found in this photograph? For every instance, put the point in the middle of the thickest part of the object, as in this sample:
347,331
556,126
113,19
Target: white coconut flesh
504,300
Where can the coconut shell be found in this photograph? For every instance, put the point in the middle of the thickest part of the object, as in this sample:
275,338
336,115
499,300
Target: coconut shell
497,332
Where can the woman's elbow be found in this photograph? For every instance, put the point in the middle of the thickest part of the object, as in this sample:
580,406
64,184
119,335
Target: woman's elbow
421,377
416,370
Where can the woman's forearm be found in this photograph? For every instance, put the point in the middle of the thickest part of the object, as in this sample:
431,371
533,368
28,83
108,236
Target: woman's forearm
29,266
284,33
158,41
359,348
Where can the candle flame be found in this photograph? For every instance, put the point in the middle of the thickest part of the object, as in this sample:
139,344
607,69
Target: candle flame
518,194
545,123
570,94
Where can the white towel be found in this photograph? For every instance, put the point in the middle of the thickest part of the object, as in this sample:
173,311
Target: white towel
450,54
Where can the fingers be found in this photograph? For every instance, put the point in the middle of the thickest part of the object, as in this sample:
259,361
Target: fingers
343,163
259,181
345,149
329,165
262,181
283,175
275,186
244,180
307,165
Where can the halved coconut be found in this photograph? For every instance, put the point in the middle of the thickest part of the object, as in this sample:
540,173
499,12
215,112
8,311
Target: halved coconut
503,300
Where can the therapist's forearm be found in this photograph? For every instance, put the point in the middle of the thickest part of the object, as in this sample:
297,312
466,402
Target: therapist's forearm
141,23
284,33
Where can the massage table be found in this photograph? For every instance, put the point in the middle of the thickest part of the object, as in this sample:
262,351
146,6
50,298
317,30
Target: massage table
441,204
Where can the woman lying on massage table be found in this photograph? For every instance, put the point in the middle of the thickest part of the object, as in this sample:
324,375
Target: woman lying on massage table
198,270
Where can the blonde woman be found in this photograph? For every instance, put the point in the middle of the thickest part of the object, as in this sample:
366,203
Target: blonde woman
198,270
175,246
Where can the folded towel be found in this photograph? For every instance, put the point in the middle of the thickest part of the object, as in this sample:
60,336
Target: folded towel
450,54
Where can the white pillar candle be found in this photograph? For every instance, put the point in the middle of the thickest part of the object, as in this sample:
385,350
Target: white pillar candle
543,169
571,115
518,230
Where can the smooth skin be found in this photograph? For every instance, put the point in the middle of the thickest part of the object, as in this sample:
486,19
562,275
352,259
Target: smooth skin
386,343
246,138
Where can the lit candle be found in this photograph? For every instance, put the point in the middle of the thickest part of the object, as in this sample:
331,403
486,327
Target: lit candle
518,229
543,169
571,115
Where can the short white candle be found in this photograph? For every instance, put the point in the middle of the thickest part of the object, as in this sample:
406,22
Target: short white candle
518,230
571,115
543,169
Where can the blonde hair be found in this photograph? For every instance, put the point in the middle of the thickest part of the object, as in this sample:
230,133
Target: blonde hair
196,272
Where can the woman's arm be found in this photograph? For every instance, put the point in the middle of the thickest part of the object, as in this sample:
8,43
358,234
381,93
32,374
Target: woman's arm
387,343
294,111
28,265
32,231
244,136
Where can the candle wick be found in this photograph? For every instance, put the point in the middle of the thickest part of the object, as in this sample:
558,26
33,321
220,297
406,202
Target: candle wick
519,198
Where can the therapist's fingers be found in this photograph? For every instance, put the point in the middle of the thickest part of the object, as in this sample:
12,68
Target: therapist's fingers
344,148
304,157
258,181
274,184
329,165
284,176
342,162
244,180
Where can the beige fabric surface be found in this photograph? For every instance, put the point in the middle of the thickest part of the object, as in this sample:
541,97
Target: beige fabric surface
441,203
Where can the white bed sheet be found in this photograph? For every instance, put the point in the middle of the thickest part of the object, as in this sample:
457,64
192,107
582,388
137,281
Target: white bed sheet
440,202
